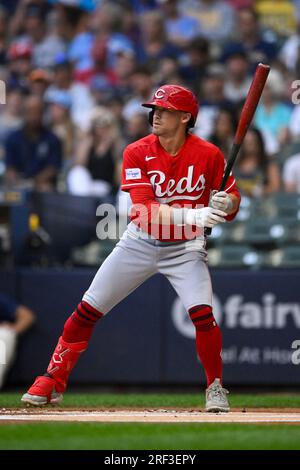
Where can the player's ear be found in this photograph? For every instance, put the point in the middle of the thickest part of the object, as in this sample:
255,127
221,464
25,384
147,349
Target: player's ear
186,117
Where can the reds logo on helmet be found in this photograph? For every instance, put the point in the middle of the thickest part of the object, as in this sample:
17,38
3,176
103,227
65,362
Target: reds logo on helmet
175,97
160,93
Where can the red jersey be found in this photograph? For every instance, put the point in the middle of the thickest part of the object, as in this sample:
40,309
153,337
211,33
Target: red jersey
184,180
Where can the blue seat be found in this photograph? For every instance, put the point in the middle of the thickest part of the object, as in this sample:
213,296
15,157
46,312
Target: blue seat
237,256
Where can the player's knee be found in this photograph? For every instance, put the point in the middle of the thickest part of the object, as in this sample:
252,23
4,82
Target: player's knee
203,318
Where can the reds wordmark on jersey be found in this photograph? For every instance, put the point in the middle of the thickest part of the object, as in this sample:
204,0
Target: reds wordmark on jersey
185,179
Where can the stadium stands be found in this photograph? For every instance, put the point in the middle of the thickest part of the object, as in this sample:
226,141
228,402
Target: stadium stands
91,64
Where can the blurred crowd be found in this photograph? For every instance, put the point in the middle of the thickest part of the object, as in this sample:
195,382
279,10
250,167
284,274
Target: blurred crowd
75,73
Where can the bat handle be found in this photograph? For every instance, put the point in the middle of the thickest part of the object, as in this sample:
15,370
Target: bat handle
207,230
232,156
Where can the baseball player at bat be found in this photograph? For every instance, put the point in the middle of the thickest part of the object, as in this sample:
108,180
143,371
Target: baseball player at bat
170,175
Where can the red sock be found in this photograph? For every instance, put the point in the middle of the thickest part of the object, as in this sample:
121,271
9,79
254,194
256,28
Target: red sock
208,341
80,325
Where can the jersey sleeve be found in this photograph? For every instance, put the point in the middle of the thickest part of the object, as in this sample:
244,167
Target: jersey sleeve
230,187
133,172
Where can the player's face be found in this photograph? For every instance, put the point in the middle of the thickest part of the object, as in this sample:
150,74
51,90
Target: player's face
167,121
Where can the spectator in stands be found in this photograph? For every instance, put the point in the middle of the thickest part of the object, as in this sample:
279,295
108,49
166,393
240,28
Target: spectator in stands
10,116
224,130
255,174
46,45
102,93
15,319
17,23
94,171
213,100
196,60
136,127
290,51
130,24
297,6
278,16
142,87
60,123
19,64
237,82
101,70
63,19
33,154
10,6
216,18
168,72
58,24
141,6
39,80
125,64
3,35
155,45
272,114
115,104
80,48
238,4
81,98
180,28
291,174
107,23
250,40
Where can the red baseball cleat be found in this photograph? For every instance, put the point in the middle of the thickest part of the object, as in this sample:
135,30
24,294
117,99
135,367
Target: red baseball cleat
42,392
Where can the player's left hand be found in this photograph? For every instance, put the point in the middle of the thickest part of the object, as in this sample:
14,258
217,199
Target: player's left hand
222,201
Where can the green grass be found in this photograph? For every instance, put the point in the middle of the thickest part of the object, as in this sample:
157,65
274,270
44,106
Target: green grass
161,400
148,436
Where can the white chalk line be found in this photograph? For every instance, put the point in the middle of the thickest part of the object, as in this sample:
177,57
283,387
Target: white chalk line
154,417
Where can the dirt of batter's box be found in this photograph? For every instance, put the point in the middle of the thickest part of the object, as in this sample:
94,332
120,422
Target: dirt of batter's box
55,409
32,410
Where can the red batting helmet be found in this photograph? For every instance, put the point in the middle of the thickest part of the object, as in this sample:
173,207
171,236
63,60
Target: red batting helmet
175,97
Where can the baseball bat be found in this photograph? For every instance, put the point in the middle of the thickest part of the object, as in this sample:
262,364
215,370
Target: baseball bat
250,105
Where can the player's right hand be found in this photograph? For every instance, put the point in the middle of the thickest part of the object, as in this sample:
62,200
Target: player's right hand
205,217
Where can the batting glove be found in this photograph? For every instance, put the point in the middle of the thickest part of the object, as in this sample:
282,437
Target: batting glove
205,217
222,201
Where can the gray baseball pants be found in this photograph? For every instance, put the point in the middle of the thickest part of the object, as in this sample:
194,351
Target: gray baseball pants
137,257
